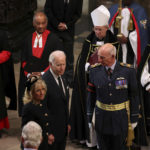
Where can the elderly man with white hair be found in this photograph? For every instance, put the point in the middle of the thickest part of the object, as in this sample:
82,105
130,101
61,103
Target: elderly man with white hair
113,93
57,98
31,136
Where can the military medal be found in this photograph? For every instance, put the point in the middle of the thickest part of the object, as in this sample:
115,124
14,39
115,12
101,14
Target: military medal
121,83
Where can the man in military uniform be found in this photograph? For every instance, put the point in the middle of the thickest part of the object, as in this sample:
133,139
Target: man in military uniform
112,86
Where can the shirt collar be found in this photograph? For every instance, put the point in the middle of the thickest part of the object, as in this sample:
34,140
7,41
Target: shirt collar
30,149
112,67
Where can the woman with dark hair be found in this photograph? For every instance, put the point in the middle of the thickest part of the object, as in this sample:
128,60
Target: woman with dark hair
36,110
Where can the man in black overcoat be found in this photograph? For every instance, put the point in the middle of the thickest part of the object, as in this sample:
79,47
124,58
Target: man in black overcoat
62,16
57,99
35,53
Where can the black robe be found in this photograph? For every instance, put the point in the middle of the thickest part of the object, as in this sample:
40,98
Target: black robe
35,64
7,80
143,128
78,121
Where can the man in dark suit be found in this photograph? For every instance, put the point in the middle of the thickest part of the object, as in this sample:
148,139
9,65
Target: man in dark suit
57,98
62,16
112,86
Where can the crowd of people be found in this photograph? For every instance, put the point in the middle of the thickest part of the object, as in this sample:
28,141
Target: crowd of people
110,106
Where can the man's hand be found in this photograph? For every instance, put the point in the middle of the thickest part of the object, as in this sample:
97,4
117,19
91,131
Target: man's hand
69,128
87,65
35,74
123,39
62,26
51,139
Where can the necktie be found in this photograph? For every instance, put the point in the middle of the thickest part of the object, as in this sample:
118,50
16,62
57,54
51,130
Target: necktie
109,72
60,84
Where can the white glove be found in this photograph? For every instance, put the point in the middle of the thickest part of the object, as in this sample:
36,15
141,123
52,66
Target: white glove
87,66
134,125
90,125
28,75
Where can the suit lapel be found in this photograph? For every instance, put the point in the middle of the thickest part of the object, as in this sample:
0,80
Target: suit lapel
54,83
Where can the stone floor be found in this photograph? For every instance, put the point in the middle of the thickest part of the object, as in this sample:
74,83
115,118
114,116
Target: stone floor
11,138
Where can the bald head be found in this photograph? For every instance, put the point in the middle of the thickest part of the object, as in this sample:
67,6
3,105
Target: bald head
57,61
107,54
39,14
40,22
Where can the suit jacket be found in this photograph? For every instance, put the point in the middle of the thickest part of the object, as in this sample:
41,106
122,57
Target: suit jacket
57,104
57,12
120,88
38,113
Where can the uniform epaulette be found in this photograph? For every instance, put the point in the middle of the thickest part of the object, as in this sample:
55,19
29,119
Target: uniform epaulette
96,65
148,45
114,43
88,40
126,65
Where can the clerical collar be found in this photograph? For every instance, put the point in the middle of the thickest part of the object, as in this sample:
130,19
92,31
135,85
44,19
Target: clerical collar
30,149
112,67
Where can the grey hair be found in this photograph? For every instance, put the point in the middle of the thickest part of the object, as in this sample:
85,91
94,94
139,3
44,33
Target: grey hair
37,13
54,54
32,134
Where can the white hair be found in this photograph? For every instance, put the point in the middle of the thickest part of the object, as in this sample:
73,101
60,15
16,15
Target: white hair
32,134
54,54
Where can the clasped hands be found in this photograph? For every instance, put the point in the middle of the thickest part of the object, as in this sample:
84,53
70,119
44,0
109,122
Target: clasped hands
62,26
123,39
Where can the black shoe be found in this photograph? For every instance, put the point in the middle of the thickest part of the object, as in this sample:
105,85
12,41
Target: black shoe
134,147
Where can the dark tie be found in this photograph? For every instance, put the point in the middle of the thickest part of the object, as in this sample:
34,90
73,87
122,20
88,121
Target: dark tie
60,84
109,72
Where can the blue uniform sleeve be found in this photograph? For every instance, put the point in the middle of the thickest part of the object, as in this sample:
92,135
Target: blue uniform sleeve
91,97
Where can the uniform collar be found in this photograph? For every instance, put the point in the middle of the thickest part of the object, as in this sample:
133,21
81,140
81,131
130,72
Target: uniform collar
112,67
30,149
